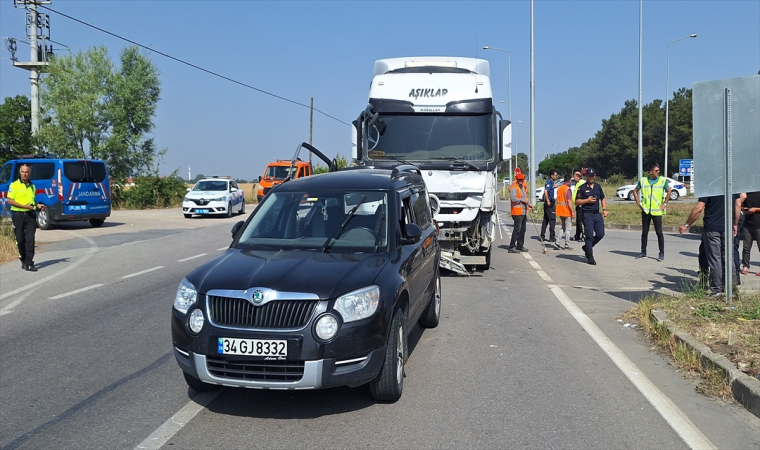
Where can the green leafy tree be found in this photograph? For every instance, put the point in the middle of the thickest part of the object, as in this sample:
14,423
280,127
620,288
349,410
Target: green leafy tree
94,110
341,161
15,127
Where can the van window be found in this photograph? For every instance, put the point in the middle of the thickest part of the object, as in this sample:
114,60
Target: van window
5,173
42,170
84,171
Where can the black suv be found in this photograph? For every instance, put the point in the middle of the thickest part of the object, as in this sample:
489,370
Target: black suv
319,288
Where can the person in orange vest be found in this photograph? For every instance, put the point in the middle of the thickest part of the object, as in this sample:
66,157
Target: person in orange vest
518,197
564,212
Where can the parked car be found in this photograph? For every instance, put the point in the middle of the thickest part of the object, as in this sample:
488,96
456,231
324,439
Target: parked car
677,190
214,196
320,288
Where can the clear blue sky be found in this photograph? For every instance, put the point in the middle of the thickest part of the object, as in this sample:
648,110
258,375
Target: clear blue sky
586,63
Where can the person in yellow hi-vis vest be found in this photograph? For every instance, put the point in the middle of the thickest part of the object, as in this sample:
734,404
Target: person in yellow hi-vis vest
652,194
23,209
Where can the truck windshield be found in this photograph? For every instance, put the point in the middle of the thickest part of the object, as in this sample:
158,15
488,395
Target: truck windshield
430,137
278,172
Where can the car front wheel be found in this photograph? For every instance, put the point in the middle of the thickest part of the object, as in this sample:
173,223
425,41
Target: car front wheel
674,194
242,207
388,386
229,209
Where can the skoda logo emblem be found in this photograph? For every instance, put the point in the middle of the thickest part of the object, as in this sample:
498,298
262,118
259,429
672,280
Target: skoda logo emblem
258,296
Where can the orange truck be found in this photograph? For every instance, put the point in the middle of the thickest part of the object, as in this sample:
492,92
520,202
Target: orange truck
276,172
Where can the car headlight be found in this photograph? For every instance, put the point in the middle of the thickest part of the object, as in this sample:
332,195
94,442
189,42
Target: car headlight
218,199
326,327
358,304
186,296
196,321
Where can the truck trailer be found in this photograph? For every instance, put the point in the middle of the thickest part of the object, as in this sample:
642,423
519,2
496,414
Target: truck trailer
438,113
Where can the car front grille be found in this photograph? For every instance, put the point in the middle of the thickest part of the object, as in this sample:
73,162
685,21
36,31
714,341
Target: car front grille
254,369
200,201
237,312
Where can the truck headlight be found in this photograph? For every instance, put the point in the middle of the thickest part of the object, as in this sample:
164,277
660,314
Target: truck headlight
186,296
358,304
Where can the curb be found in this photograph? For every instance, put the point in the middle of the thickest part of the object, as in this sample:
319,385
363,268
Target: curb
665,228
745,389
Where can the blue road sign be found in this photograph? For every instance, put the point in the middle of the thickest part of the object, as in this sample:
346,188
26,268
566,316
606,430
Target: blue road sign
685,167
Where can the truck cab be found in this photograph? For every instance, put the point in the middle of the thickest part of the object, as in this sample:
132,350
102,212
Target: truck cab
276,172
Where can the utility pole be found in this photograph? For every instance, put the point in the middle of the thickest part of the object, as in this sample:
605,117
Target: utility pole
37,30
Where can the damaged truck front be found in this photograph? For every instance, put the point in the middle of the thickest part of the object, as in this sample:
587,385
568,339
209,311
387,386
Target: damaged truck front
438,114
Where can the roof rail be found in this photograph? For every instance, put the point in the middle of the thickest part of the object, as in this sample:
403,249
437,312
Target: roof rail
42,156
226,177
405,168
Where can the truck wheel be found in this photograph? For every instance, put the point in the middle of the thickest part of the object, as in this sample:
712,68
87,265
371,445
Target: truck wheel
96,222
487,265
44,222
199,385
432,315
388,386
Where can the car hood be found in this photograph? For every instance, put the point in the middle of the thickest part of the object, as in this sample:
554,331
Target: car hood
627,186
205,194
327,275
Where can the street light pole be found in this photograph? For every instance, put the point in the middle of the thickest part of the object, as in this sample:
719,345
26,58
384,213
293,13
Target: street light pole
667,96
509,92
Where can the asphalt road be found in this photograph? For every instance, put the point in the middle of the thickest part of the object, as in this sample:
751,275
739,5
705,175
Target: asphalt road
528,354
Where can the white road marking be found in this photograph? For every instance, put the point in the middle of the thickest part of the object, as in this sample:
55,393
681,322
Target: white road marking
192,257
544,275
90,251
7,309
222,249
143,271
175,423
677,420
76,291
534,265
527,256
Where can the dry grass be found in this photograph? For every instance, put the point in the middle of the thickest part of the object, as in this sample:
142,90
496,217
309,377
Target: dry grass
730,330
8,249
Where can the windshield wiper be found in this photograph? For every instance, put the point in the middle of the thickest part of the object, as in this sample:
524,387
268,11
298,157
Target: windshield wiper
456,160
396,158
338,230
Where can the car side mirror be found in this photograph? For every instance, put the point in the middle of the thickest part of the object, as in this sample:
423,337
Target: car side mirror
413,234
233,189
236,228
259,178
189,189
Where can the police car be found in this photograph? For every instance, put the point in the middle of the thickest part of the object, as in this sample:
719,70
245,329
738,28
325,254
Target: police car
214,196
677,190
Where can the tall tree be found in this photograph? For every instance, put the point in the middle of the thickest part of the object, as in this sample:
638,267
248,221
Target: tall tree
94,110
15,127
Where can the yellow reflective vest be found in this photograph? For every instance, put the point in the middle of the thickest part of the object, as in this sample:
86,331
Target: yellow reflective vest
652,194
21,194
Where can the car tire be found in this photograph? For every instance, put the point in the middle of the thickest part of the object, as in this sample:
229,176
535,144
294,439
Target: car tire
44,222
630,196
96,222
187,216
389,384
674,194
242,208
198,385
432,315
229,209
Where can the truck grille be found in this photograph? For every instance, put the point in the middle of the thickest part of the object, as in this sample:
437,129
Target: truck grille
253,369
237,312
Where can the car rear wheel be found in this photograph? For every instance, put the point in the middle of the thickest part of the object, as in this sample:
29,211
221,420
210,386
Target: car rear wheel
674,194
630,196
388,386
432,315
199,385
43,220
96,222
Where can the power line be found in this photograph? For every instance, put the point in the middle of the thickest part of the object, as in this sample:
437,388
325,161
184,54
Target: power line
191,64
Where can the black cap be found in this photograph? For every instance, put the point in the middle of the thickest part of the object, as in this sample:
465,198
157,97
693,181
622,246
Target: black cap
590,172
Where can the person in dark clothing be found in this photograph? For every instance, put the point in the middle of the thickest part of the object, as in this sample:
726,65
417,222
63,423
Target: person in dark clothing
713,236
550,209
576,183
590,196
751,229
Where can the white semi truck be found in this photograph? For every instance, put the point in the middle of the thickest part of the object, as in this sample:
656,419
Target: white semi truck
438,114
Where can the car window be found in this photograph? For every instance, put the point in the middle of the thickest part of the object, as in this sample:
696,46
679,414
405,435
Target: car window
42,171
210,185
233,184
421,209
5,173
305,220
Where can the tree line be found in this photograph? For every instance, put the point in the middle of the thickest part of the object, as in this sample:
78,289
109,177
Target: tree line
614,148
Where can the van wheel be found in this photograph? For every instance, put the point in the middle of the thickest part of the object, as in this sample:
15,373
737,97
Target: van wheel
96,222
43,220
389,384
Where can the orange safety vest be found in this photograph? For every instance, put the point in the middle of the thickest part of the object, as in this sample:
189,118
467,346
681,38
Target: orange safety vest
563,208
517,207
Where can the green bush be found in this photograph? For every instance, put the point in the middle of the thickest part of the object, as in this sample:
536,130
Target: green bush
617,180
150,192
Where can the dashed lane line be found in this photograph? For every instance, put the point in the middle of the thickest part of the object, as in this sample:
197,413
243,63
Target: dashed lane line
59,296
168,429
143,272
192,257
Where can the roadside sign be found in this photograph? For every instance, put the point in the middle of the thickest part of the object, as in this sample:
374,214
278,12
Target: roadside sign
686,167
